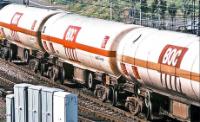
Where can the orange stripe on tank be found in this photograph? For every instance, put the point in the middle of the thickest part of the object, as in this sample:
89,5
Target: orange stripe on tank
18,29
65,43
171,70
83,47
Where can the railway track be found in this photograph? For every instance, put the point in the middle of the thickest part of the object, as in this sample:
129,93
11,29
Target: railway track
6,83
87,103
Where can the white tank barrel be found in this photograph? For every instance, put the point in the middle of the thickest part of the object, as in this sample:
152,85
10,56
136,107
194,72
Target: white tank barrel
162,60
87,42
22,25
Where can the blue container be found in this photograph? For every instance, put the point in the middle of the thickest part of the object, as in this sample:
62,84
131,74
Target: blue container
65,107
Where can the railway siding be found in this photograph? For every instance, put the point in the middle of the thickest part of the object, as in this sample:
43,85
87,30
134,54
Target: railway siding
95,109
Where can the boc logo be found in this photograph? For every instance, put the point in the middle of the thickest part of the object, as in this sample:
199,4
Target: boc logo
172,55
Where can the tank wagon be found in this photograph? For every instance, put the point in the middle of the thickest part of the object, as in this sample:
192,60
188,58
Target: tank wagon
22,26
149,71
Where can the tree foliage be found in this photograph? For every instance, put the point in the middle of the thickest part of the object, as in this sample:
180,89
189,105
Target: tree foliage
144,6
163,7
187,9
154,6
172,9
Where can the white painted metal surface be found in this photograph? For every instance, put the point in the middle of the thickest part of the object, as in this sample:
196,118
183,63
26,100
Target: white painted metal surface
47,103
86,41
21,24
34,104
21,102
10,108
163,60
65,107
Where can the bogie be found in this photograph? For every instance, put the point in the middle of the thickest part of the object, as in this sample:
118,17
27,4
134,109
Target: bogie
101,92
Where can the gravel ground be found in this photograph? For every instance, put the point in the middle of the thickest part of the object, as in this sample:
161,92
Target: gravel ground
2,110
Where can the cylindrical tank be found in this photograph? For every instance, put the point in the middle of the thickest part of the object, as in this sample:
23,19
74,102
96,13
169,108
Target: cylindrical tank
84,41
162,60
22,25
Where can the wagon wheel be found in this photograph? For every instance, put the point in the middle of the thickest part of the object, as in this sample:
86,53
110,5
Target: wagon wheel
26,56
148,105
62,75
113,96
53,73
11,55
42,69
100,93
33,65
134,106
5,53
90,81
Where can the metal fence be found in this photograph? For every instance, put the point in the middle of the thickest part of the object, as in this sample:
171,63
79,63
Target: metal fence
127,12
186,18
